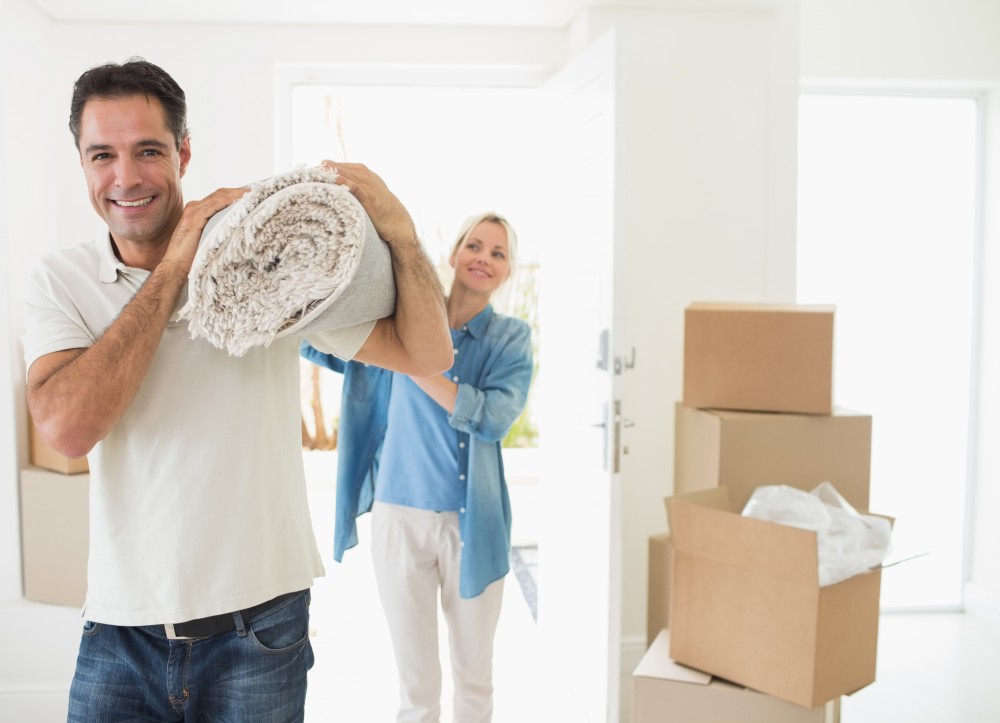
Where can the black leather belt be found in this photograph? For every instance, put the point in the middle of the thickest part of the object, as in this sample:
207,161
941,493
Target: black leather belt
222,623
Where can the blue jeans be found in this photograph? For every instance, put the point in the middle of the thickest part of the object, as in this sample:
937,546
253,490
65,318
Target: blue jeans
254,674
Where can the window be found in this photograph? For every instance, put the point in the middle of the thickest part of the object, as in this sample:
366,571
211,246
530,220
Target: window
887,231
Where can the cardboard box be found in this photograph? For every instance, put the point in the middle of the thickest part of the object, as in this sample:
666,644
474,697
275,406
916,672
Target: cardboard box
759,357
54,536
664,691
42,455
745,450
661,557
746,605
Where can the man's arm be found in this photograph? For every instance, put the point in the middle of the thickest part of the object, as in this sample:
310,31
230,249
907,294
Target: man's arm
76,396
441,390
415,340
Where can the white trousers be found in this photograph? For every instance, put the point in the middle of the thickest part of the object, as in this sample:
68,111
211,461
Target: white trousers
417,555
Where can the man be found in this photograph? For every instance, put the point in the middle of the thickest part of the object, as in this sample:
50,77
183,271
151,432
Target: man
201,549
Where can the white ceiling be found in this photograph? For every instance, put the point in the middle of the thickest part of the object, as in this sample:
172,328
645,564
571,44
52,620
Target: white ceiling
517,13
503,13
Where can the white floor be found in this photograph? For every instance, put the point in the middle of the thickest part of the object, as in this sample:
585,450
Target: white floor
354,679
932,667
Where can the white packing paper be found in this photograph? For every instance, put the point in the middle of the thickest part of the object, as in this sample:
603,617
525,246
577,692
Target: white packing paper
848,542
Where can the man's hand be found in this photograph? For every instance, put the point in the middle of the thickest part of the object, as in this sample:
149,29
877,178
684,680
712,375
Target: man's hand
388,215
414,340
187,234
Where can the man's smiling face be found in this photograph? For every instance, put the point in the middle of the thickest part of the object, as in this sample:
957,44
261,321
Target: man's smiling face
133,169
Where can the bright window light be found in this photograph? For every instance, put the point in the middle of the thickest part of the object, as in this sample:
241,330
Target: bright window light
447,152
887,232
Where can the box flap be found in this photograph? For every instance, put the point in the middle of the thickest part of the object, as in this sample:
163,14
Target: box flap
656,663
746,306
754,414
715,497
703,526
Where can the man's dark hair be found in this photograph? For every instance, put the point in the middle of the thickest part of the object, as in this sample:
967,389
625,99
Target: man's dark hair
134,77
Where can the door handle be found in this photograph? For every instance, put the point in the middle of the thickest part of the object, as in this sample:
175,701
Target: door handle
616,435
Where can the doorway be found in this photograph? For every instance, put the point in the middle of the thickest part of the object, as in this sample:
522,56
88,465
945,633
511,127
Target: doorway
447,150
543,152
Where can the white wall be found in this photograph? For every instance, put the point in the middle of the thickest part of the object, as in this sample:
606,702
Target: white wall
32,687
23,166
901,40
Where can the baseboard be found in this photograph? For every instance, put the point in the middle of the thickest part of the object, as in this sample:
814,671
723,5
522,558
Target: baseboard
633,647
35,704
983,604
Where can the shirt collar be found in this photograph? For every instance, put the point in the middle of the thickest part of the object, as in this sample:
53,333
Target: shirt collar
110,264
477,324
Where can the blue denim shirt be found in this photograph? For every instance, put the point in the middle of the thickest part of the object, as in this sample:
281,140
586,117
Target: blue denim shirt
494,375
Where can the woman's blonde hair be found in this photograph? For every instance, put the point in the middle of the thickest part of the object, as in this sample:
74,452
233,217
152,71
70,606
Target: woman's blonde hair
472,221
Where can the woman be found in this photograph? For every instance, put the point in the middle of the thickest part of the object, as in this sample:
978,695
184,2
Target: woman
423,454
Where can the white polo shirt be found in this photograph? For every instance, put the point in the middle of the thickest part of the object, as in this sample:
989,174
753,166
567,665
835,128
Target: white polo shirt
197,497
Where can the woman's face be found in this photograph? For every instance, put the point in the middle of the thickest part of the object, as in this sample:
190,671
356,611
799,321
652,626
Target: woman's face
482,262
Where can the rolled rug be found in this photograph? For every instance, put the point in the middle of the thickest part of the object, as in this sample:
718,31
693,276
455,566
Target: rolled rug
296,254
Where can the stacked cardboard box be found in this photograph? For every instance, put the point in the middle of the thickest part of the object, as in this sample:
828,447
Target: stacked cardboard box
54,524
43,455
742,596
54,529
666,692
759,357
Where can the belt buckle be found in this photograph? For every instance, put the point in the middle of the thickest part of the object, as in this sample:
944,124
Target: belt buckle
171,635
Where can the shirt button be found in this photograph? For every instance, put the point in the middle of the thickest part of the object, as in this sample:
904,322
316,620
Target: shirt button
455,378
461,510
465,328
454,351
461,445
461,477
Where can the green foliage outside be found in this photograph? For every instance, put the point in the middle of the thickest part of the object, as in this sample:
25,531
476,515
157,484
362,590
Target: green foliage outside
524,305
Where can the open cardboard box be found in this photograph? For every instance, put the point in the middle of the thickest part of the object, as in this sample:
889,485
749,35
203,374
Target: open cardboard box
746,605
660,573
663,691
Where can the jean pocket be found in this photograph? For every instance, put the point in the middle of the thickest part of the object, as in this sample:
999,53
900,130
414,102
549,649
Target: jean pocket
90,627
284,629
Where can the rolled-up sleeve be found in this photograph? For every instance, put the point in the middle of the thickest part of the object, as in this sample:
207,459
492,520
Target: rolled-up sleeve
323,359
488,410
342,343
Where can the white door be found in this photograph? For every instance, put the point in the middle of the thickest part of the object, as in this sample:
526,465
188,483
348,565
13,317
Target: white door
579,549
